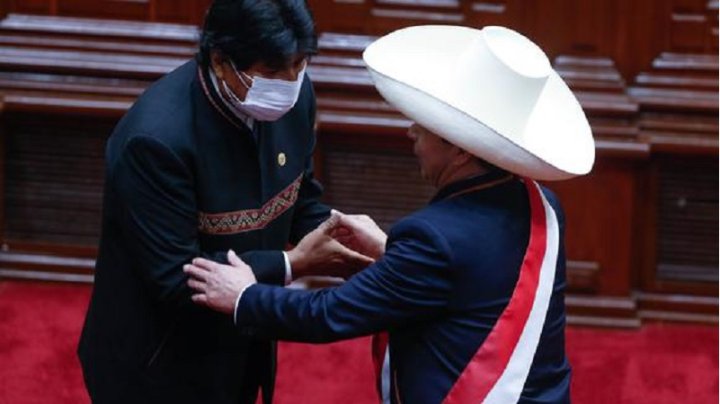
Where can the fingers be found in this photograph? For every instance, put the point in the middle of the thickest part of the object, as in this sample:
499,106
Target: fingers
202,263
340,231
200,299
197,285
353,222
332,222
352,256
350,242
196,272
234,260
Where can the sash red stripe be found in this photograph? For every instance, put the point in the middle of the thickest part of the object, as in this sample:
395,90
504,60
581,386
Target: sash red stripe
491,359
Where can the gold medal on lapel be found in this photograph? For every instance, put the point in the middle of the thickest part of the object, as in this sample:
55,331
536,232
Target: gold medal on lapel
281,159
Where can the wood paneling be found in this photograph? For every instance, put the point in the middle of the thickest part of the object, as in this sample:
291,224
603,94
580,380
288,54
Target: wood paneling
498,12
99,29
688,220
122,9
181,11
185,12
600,224
53,180
692,26
385,186
645,72
33,6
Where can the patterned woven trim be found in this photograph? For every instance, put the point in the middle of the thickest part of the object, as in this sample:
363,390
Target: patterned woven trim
242,221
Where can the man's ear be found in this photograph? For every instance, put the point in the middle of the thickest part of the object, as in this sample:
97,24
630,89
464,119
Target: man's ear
216,63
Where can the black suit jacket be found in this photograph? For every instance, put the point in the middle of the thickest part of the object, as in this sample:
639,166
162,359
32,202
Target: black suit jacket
186,178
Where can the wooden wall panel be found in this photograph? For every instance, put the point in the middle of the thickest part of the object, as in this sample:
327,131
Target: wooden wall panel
688,220
645,71
178,11
677,94
53,180
184,12
384,185
713,9
120,9
588,28
498,12
48,7
600,215
389,15
691,27
341,15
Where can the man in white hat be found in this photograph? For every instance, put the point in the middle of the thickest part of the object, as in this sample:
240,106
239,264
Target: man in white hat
470,287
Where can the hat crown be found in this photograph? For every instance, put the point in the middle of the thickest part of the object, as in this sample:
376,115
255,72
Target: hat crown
516,51
491,92
508,67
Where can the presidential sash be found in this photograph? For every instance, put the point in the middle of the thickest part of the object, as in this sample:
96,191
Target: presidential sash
498,370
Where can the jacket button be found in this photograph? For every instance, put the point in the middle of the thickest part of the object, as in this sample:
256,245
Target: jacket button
281,159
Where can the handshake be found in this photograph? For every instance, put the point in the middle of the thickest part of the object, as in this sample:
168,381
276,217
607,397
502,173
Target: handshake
339,247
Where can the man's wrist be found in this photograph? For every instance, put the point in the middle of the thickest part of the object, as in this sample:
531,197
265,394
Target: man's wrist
237,302
288,269
294,257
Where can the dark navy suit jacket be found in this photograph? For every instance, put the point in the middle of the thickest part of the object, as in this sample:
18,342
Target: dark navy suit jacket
447,274
186,178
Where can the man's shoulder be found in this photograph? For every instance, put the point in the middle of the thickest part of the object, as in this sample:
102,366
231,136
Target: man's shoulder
163,112
433,215
427,221
169,97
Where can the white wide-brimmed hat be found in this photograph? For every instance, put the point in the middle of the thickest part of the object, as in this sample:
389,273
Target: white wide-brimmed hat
491,92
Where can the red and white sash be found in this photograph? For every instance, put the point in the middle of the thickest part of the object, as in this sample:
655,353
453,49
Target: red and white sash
498,370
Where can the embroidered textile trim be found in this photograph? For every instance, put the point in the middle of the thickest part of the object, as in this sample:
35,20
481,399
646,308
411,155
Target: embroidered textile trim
250,219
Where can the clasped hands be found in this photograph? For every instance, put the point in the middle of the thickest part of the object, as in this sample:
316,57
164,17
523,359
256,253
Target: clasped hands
340,246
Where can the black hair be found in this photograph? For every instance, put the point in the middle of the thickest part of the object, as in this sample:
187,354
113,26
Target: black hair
251,31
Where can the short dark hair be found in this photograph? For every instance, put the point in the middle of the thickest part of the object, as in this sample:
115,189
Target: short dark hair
251,31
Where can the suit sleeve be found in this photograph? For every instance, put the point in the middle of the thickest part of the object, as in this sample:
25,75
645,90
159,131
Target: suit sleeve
309,211
155,194
411,282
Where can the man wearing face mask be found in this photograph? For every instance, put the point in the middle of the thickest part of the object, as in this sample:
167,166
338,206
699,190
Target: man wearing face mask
217,155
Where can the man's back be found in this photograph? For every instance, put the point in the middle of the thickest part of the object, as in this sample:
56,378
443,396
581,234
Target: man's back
486,233
447,274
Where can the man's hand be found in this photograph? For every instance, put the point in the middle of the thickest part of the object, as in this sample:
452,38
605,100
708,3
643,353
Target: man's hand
318,253
217,285
360,233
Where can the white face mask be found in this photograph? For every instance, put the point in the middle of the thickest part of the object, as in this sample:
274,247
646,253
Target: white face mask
266,99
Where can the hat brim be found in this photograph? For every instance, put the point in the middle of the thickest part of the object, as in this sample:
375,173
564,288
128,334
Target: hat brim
556,142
